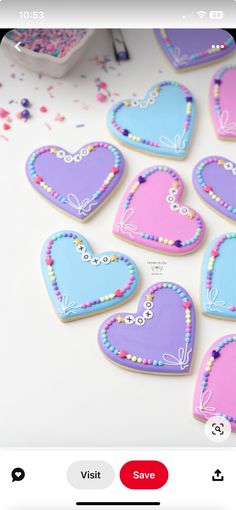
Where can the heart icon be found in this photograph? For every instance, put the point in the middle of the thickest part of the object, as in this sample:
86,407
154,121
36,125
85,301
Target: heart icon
215,180
148,341
81,283
223,102
77,183
152,216
218,278
189,48
161,123
215,393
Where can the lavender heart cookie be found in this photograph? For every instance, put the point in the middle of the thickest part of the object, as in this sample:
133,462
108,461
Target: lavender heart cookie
215,180
77,183
188,48
159,338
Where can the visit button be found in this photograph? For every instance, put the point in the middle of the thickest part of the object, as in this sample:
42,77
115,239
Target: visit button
144,474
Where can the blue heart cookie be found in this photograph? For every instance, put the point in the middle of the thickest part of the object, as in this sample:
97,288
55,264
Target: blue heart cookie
161,123
219,276
81,283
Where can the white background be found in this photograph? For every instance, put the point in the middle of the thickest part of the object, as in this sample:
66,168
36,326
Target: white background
56,387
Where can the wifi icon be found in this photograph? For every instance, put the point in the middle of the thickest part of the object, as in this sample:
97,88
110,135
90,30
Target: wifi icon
201,14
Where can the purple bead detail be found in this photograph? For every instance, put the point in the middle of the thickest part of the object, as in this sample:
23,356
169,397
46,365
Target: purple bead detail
125,132
215,354
178,243
141,179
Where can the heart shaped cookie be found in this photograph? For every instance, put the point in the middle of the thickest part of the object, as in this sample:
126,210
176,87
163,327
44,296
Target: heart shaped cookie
77,183
148,341
161,123
80,283
187,48
219,277
223,102
152,216
215,393
215,180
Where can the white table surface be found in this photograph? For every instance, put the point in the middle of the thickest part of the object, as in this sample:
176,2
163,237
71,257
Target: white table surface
56,387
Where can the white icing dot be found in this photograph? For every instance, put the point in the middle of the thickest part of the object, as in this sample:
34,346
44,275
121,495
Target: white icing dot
81,248
174,207
183,210
129,319
134,102
228,166
170,199
68,158
95,261
151,100
84,152
139,321
86,256
173,191
154,93
148,314
105,259
148,305
61,154
144,104
77,158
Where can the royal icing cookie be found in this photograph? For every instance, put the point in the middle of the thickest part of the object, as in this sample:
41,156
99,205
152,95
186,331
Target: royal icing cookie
151,213
188,48
80,283
215,393
223,102
148,341
215,180
77,183
161,123
219,277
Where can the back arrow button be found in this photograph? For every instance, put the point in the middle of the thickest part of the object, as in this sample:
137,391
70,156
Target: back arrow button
17,46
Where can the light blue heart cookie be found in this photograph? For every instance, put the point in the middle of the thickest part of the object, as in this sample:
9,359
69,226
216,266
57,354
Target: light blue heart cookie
81,283
161,123
219,277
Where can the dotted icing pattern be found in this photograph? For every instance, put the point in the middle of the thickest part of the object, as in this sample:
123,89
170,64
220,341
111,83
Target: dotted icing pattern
226,127
148,314
150,100
228,166
125,227
85,208
215,253
66,307
195,57
206,380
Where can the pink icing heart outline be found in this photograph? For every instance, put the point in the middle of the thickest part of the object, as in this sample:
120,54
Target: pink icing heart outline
204,405
126,227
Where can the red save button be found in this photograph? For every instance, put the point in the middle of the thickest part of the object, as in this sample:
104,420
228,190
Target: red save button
144,474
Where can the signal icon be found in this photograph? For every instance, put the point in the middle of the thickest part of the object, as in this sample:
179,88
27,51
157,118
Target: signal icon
201,14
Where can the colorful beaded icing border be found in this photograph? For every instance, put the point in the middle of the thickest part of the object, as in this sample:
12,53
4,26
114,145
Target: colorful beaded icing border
85,207
225,125
212,292
148,314
126,227
67,307
206,395
185,59
179,144
227,165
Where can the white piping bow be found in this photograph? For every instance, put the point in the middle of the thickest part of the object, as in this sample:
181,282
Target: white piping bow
178,143
203,409
226,127
182,361
84,207
212,303
124,225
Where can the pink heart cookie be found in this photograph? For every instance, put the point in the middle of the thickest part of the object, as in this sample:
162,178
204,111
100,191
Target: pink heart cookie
215,393
151,214
223,102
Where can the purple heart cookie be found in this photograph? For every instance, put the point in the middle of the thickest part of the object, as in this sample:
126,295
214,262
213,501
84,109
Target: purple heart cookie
159,338
187,48
77,183
215,180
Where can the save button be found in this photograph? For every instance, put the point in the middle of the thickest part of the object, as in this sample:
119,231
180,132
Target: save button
144,474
